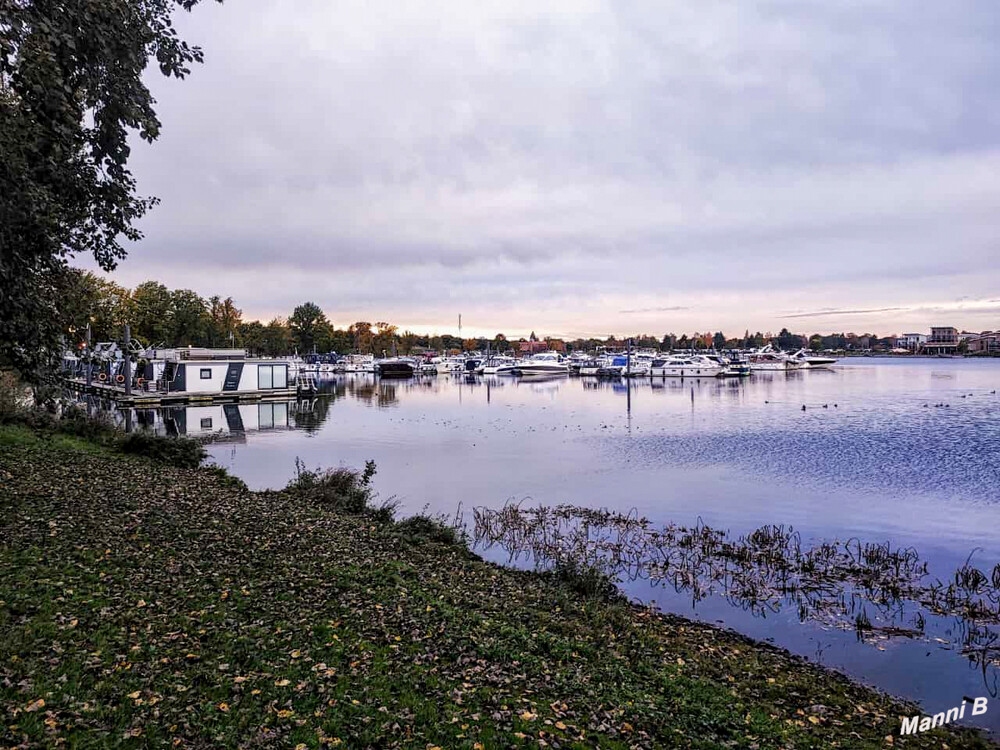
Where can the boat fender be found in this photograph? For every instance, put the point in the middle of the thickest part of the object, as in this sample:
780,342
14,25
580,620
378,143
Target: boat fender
120,378
102,377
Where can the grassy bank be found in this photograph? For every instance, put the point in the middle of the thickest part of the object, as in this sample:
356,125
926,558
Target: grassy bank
148,605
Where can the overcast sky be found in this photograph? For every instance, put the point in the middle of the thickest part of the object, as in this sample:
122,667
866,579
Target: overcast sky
585,168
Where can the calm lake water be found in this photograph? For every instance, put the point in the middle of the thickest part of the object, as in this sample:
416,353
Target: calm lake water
899,450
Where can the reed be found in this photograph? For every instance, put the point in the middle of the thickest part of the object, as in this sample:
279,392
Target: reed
834,582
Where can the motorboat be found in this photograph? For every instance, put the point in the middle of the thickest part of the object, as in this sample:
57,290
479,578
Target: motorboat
593,366
498,366
732,368
578,361
767,359
430,366
686,366
639,365
450,365
545,363
394,368
359,363
813,361
318,365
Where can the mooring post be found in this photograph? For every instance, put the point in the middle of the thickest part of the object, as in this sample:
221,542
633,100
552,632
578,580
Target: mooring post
128,360
88,361
628,360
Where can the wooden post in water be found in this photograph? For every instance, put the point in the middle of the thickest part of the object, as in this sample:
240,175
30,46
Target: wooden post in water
89,374
628,359
128,360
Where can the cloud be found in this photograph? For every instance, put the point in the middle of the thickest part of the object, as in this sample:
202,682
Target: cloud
673,308
555,167
830,313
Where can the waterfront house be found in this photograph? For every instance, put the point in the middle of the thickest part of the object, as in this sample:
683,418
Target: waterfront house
911,341
987,342
943,340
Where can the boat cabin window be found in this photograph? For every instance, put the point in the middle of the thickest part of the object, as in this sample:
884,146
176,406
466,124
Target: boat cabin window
272,376
206,423
206,373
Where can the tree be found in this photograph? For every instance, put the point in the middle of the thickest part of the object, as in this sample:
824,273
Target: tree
384,338
361,334
226,318
719,341
408,341
304,323
341,341
71,90
251,336
88,299
788,340
190,318
277,338
152,313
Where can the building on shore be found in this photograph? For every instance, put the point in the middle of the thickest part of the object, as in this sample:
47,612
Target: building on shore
987,342
943,340
911,341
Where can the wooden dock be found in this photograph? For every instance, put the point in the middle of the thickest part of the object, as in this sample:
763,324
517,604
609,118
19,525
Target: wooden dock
143,399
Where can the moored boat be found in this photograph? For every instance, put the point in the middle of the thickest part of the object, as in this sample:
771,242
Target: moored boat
498,366
690,366
813,361
394,368
767,359
545,363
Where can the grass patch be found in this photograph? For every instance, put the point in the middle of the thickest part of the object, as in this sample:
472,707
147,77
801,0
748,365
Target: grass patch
182,452
13,435
71,427
424,528
341,490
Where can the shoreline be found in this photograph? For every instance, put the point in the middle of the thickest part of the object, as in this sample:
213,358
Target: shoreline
150,605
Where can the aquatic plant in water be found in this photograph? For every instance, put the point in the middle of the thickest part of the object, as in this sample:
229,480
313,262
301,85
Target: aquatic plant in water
836,583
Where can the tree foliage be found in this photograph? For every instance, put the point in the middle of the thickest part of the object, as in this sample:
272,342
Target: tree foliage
71,91
307,322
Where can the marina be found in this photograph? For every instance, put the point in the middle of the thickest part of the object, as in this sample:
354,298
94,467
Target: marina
136,375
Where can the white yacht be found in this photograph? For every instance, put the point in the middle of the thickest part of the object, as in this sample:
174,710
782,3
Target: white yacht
641,365
593,366
767,359
430,366
686,366
730,367
498,366
359,363
451,365
545,363
813,361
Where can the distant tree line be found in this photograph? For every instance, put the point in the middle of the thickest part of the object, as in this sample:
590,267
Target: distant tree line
163,317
